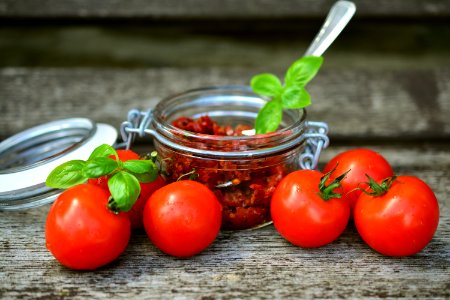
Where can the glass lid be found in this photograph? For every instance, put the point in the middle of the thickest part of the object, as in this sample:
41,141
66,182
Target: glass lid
28,157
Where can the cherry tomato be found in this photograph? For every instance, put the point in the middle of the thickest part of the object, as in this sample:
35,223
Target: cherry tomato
147,189
301,216
182,218
137,211
400,222
81,232
360,162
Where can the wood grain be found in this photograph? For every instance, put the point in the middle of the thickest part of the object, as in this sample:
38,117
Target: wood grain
357,104
195,9
272,44
257,263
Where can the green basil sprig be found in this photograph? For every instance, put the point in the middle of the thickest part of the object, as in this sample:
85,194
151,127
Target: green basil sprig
124,177
291,95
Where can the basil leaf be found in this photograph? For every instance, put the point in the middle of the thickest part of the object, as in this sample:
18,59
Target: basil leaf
269,117
66,175
295,97
146,177
303,70
99,166
266,85
143,170
103,151
125,189
139,166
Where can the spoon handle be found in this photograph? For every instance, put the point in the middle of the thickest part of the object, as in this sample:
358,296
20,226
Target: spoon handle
338,17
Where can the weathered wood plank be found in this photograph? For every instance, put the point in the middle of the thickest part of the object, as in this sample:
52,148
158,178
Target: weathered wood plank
194,9
258,263
357,104
256,44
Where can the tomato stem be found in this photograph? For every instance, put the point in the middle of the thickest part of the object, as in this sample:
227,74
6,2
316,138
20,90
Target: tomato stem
378,189
326,191
153,156
112,206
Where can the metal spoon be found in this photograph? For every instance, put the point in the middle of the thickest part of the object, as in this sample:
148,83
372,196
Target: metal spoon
338,17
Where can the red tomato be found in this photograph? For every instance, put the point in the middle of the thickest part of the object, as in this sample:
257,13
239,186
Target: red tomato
360,162
400,222
301,216
147,189
182,218
81,232
137,211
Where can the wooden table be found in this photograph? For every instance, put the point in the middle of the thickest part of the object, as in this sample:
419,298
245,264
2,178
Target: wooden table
385,85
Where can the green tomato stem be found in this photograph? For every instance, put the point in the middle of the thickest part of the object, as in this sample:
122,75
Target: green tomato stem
326,191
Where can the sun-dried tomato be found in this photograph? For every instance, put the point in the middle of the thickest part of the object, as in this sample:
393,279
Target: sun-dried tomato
245,193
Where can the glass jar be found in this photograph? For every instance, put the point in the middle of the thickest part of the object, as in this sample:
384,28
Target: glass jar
243,171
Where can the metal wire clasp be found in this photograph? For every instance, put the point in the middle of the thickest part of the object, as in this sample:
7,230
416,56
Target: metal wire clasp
316,140
136,124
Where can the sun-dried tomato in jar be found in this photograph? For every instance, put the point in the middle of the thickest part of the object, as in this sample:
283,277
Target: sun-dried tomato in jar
244,191
199,133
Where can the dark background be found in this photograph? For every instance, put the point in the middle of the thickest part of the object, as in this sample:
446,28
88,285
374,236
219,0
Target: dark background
252,33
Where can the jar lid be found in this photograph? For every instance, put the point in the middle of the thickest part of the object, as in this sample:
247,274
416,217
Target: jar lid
28,157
